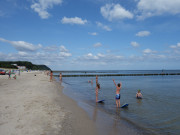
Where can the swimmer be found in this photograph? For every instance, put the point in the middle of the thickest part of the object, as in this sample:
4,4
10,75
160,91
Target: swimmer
91,81
118,96
139,95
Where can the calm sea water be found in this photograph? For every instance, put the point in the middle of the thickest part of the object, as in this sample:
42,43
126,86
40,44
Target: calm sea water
157,112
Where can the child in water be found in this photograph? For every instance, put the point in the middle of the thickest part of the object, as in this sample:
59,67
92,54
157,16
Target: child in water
97,88
118,96
139,95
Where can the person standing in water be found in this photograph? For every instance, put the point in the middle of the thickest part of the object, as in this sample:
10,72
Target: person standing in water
60,76
96,79
97,89
118,96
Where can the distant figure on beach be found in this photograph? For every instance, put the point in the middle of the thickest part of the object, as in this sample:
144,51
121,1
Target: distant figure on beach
14,76
97,89
51,74
19,71
118,96
48,73
139,95
9,74
60,76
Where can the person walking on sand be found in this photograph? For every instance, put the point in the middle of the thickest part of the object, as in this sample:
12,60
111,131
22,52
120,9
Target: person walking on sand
51,74
60,76
19,71
9,74
118,96
97,88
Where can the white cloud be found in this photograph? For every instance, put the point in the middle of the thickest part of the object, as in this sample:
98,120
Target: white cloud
22,53
90,56
148,51
93,33
134,44
100,55
51,48
41,7
22,45
103,26
41,56
65,54
175,46
149,8
75,20
89,59
115,12
97,44
178,44
63,49
143,33
161,56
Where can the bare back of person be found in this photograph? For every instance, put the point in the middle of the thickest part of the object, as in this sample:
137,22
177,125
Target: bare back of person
118,88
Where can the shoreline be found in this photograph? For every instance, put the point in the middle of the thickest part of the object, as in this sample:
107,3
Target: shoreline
34,105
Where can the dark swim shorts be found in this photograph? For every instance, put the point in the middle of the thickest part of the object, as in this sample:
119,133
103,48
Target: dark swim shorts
118,96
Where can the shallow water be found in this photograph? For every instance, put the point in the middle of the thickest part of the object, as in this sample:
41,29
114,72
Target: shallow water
157,112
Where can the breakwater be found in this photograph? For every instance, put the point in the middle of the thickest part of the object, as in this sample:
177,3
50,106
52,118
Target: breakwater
92,75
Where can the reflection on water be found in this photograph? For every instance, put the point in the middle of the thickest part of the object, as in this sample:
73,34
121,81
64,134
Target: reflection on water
95,113
139,101
161,99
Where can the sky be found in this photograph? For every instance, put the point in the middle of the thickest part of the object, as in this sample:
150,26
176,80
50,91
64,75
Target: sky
92,34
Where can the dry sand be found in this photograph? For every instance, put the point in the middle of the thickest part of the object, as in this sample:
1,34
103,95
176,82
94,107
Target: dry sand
32,105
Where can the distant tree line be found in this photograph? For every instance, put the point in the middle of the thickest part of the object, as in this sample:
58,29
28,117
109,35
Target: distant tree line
28,65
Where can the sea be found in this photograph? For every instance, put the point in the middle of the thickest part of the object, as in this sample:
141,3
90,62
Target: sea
156,113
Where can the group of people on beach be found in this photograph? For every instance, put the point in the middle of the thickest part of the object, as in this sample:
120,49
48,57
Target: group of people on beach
118,88
51,75
10,73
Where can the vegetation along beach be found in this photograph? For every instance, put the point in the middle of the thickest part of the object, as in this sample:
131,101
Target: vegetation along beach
89,67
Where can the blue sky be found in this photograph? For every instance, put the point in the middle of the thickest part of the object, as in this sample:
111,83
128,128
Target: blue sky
91,34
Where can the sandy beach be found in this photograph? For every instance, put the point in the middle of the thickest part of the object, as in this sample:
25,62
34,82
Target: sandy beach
32,105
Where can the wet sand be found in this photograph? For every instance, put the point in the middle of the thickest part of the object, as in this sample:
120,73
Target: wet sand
32,105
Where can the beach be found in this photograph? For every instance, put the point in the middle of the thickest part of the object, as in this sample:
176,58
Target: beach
32,105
